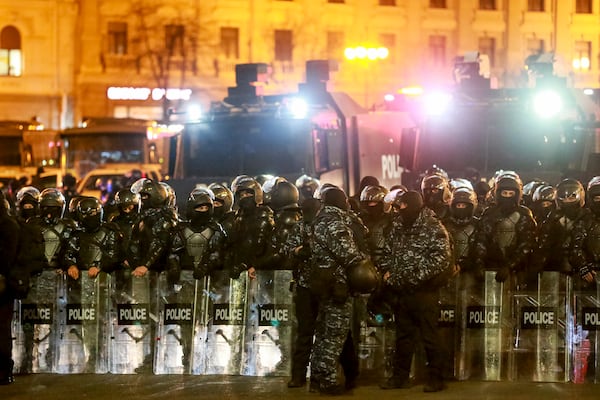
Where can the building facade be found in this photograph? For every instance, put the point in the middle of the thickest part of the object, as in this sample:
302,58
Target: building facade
63,60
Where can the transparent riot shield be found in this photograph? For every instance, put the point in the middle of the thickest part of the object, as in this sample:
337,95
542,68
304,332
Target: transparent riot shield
486,326
131,323
182,325
226,316
447,324
585,334
539,352
376,345
269,325
36,324
83,342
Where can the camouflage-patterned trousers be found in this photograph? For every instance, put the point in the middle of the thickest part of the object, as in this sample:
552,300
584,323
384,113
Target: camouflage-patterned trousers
333,325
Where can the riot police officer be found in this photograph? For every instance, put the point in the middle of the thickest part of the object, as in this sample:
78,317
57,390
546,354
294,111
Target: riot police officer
436,194
417,257
556,232
507,233
585,256
252,229
9,238
333,250
27,203
97,246
197,245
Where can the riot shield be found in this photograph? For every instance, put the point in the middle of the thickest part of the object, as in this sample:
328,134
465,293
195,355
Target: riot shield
131,320
538,352
83,339
485,325
182,325
376,345
447,324
269,325
36,324
585,334
226,316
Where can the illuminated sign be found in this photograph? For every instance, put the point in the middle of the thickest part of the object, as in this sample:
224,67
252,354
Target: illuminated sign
135,93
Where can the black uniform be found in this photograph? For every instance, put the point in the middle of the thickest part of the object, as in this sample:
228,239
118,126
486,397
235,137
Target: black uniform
9,239
418,253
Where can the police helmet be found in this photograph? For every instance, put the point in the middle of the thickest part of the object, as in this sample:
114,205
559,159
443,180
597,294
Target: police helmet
125,197
152,193
285,195
436,182
52,197
89,211
373,193
199,197
222,195
307,185
570,194
250,185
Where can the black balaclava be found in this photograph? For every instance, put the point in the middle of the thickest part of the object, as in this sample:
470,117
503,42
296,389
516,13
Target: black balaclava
414,204
335,197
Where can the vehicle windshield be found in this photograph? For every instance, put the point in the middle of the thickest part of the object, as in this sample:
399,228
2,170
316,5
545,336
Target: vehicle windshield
501,139
86,152
255,146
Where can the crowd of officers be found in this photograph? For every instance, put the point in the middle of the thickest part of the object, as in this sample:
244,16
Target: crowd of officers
416,239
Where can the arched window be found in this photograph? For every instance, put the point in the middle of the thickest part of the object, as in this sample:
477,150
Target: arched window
11,56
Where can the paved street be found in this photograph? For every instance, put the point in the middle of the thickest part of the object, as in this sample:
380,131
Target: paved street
173,387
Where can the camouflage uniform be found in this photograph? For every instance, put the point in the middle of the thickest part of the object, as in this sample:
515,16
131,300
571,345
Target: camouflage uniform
333,248
415,257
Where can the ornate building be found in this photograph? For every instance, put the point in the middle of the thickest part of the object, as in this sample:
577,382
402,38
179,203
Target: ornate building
61,60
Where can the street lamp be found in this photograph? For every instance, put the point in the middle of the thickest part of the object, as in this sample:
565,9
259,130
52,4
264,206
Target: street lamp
365,56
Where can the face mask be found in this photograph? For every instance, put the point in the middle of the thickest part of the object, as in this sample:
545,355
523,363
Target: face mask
462,213
51,213
92,222
27,213
200,218
433,199
374,211
247,203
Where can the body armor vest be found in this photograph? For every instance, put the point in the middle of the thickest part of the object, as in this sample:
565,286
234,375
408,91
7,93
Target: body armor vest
196,243
52,243
593,241
461,235
90,254
506,232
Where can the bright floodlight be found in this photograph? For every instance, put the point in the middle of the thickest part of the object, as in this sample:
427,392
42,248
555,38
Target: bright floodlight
547,104
350,53
437,103
298,108
194,112
389,97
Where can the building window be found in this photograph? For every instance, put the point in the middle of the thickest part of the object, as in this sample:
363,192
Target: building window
336,1
230,39
174,39
283,45
583,6
535,5
387,2
335,45
487,4
583,55
535,46
117,38
437,50
10,52
487,46
388,40
437,3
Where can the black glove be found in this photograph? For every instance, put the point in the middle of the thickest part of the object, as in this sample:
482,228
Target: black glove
502,274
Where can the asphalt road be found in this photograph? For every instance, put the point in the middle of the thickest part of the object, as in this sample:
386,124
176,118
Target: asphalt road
176,387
